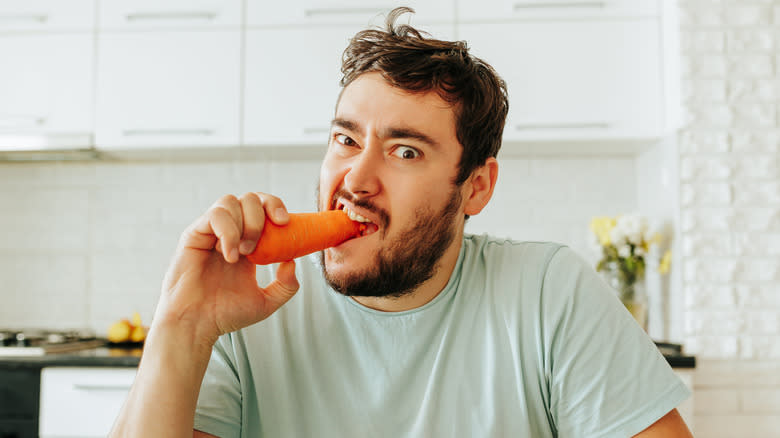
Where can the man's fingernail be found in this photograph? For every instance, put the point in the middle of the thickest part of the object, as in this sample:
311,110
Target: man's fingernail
233,257
246,247
281,214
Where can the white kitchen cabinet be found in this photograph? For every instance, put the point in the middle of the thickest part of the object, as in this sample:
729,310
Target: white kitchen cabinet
47,15
263,13
80,401
469,10
154,14
291,89
168,89
46,90
576,80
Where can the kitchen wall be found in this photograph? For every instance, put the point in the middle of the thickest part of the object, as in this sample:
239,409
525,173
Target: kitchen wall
730,213
84,244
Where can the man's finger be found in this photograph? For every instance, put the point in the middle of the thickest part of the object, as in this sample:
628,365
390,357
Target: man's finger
253,219
274,208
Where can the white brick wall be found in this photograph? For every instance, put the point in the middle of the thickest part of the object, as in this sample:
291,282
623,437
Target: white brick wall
730,213
84,244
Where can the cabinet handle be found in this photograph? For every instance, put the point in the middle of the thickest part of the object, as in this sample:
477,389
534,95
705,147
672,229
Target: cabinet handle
16,121
557,5
341,11
38,18
195,15
99,387
583,125
316,130
150,132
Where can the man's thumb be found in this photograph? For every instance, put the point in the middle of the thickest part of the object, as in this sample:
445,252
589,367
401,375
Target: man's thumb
285,285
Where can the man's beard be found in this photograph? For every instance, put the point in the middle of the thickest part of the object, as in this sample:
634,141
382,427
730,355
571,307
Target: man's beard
408,261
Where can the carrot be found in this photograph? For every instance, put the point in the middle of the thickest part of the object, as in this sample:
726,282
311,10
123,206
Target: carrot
304,234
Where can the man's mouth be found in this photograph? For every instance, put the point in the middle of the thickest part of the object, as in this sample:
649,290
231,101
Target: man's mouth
369,228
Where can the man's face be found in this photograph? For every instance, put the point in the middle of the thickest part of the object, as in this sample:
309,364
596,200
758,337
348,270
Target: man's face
392,159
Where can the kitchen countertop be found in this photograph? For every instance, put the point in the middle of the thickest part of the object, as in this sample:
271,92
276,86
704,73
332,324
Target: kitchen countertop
129,357
94,357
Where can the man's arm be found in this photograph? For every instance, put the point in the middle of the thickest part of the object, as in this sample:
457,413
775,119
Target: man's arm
209,290
670,425
199,434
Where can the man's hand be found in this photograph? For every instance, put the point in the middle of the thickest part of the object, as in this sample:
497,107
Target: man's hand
208,290
209,287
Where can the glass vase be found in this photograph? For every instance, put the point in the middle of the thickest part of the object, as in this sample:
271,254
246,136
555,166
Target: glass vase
633,295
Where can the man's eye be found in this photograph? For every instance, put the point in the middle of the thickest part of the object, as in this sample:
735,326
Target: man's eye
406,152
345,140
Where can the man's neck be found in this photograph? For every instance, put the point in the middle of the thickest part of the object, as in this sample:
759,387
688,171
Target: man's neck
426,291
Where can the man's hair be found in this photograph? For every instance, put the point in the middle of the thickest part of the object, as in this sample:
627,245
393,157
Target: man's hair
408,59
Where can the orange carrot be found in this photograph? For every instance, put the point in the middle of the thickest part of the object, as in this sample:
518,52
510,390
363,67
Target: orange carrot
304,234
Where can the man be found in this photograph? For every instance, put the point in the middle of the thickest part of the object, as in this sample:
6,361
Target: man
413,329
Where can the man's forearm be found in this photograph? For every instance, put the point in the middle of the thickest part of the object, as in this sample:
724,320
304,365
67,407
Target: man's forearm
162,400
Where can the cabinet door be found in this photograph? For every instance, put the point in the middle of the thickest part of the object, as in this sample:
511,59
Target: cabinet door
47,15
176,88
81,402
575,79
262,13
154,14
46,86
292,87
553,9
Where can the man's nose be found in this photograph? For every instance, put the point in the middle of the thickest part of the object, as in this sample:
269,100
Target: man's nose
363,177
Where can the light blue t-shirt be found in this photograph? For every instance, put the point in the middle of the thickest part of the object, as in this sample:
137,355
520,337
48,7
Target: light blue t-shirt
525,340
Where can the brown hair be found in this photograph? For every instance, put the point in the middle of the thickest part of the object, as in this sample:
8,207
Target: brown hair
414,62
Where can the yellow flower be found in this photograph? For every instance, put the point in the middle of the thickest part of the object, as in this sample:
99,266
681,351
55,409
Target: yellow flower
665,263
601,226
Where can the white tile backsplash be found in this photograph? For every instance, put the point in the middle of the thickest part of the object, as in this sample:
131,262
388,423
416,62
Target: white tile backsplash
86,243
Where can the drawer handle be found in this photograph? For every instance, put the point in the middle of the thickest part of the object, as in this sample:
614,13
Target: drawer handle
341,11
153,132
38,18
584,125
316,130
560,5
195,15
16,121
97,387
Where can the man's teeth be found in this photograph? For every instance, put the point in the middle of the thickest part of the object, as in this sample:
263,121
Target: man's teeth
354,216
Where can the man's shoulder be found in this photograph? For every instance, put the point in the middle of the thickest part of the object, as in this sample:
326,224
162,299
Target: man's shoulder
497,252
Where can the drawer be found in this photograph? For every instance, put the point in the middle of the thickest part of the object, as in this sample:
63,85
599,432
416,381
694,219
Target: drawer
82,402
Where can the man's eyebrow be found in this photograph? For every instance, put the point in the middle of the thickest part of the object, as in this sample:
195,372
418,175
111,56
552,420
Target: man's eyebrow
410,133
392,132
347,124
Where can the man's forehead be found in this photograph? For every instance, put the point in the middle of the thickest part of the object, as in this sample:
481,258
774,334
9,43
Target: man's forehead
371,99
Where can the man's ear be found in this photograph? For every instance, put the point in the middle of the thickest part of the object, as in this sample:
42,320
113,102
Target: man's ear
480,187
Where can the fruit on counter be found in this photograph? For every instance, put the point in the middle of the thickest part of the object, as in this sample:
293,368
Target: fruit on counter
120,331
304,234
126,330
138,334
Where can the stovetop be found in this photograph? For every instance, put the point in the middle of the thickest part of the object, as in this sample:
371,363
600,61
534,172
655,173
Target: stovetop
38,342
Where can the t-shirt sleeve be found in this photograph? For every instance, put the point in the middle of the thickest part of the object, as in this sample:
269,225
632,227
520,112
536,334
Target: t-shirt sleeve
606,377
219,404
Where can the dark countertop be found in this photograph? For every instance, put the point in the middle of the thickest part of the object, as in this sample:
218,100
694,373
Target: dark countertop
94,357
129,357
681,361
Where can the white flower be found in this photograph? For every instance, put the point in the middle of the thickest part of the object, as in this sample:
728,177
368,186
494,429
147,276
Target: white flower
624,251
633,227
618,234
